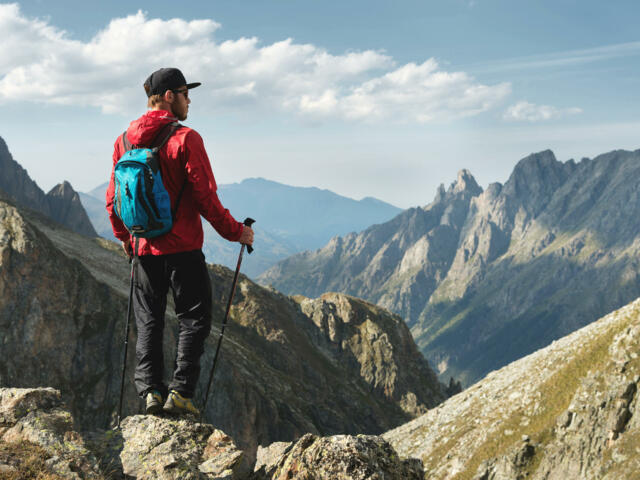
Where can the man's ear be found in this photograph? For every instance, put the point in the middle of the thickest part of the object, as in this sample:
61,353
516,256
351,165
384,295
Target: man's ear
168,96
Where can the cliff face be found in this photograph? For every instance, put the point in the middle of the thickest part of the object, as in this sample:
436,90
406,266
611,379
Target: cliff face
59,323
280,373
62,203
484,278
570,410
397,264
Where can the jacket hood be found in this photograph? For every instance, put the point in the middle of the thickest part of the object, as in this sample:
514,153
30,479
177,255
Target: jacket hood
142,131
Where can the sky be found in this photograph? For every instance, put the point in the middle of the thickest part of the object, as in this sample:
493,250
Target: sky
377,98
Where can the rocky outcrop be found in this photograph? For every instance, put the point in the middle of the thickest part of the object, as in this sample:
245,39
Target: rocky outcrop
280,374
67,209
157,448
148,447
362,337
341,457
62,203
567,411
484,278
38,419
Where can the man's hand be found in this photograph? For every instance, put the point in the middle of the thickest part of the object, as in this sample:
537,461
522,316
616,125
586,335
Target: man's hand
247,236
126,246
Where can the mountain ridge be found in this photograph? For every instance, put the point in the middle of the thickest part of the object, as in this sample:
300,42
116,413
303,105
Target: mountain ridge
473,273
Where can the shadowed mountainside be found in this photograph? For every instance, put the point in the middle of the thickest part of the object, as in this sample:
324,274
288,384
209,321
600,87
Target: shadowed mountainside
61,203
287,366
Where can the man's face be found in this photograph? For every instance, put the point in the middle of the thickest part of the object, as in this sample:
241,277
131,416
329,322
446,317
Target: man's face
181,101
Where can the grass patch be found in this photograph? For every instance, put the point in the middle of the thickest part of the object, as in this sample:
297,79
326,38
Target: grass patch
556,395
25,460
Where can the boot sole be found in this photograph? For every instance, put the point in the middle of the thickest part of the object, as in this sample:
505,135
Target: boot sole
178,411
154,409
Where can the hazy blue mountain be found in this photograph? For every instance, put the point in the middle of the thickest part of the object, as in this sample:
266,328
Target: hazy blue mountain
97,212
484,278
288,220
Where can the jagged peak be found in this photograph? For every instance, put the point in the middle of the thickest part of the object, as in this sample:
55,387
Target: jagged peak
465,182
538,172
440,193
465,185
63,189
536,162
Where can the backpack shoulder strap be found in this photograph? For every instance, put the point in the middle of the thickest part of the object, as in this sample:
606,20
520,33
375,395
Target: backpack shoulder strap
126,143
159,140
170,129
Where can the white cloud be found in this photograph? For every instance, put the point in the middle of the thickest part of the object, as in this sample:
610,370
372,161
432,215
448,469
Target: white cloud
524,111
41,63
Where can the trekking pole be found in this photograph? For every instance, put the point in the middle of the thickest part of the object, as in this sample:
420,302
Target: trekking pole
248,222
132,260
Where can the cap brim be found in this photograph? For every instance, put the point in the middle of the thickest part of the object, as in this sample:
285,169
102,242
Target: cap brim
193,85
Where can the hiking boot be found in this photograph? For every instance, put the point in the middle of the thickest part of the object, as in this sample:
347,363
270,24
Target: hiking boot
178,404
154,402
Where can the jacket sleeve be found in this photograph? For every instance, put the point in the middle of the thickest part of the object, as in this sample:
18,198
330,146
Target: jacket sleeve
200,175
119,230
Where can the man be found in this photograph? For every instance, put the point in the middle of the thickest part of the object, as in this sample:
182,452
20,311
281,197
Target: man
173,260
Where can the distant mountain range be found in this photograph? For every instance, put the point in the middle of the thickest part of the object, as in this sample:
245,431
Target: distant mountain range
288,219
486,277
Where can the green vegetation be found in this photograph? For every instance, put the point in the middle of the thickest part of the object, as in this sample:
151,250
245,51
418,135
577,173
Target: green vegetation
25,460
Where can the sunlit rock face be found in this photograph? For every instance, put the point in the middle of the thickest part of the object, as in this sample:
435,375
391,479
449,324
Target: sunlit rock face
483,278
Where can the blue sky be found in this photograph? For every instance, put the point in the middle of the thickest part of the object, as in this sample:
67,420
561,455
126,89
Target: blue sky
384,99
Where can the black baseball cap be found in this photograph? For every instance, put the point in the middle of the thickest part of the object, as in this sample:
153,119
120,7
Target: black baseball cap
166,79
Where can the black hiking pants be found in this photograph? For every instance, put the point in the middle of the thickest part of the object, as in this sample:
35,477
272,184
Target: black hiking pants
186,274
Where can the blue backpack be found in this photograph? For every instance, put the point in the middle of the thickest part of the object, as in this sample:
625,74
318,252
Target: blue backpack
141,201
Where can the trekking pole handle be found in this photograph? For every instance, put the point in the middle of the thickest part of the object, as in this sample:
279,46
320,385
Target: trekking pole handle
248,222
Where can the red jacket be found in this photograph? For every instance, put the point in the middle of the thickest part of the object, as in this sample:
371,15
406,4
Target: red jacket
182,157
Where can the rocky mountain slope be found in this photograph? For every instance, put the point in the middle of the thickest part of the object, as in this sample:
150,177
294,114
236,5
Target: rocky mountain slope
486,277
37,440
568,411
62,203
288,366
289,219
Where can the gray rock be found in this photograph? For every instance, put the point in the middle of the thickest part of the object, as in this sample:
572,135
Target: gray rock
341,457
37,416
165,448
268,457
